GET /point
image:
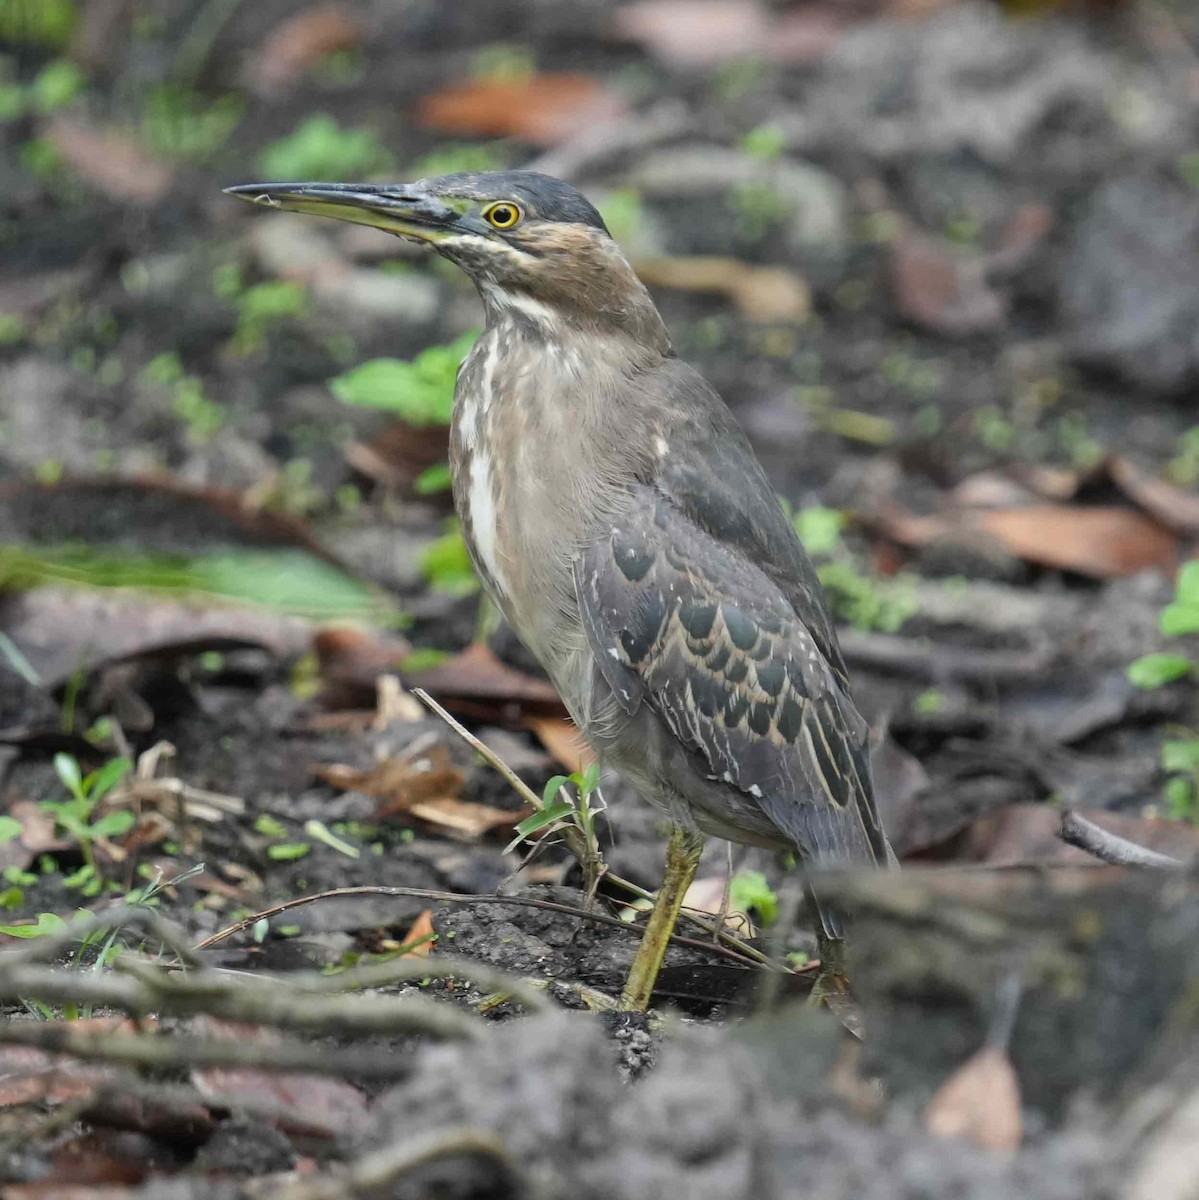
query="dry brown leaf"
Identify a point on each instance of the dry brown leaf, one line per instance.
(704, 33)
(979, 1102)
(110, 160)
(763, 294)
(561, 737)
(422, 927)
(487, 686)
(544, 109)
(299, 43)
(941, 288)
(1102, 543)
(465, 819)
(1173, 506)
(398, 783)
(1099, 542)
(708, 895)
(351, 659)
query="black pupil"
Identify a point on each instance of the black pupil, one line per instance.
(502, 215)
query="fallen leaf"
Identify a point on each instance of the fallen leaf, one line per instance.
(32, 1076)
(351, 659)
(941, 288)
(64, 633)
(980, 1103)
(399, 455)
(543, 109)
(705, 33)
(763, 294)
(1019, 834)
(1173, 506)
(109, 160)
(317, 1105)
(1101, 543)
(399, 783)
(299, 43)
(465, 819)
(710, 895)
(1098, 542)
(481, 685)
(421, 928)
(561, 737)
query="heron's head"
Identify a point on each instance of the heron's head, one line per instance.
(535, 247)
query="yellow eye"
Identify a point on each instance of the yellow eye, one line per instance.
(503, 215)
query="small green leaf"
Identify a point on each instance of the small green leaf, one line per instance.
(542, 818)
(269, 827)
(288, 851)
(750, 889)
(10, 829)
(66, 767)
(321, 833)
(46, 923)
(432, 480)
(1180, 756)
(112, 824)
(1156, 670)
(552, 788)
(100, 782)
(819, 529)
(1177, 619)
(1186, 591)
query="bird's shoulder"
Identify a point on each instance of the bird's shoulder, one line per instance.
(707, 469)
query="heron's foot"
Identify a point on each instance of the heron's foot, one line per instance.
(830, 988)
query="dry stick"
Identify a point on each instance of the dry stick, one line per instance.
(464, 898)
(1110, 847)
(143, 990)
(377, 1173)
(526, 793)
(49, 945)
(157, 1050)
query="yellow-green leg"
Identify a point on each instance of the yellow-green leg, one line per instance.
(682, 859)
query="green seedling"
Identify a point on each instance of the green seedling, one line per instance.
(76, 815)
(750, 891)
(319, 148)
(574, 807)
(446, 565)
(419, 391)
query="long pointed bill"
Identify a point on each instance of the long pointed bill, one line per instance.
(405, 209)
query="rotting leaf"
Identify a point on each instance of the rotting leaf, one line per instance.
(109, 160)
(763, 294)
(561, 737)
(301, 42)
(1101, 543)
(399, 783)
(477, 680)
(543, 109)
(979, 1102)
(464, 818)
(420, 936)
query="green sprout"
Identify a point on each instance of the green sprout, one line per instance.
(419, 391)
(319, 148)
(76, 815)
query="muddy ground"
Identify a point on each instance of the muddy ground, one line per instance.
(945, 268)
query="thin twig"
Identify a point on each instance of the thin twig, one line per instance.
(467, 898)
(377, 1173)
(50, 945)
(574, 840)
(1110, 847)
(141, 990)
(156, 1050)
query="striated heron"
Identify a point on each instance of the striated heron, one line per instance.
(621, 523)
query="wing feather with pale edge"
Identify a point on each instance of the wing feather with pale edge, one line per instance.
(682, 622)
